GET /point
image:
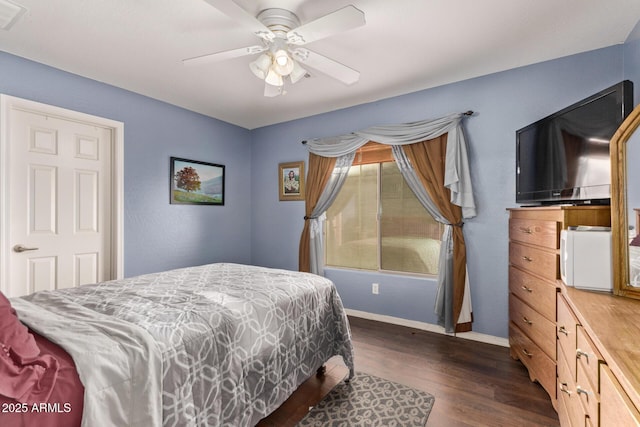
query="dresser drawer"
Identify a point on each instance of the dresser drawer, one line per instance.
(537, 327)
(567, 392)
(567, 325)
(616, 409)
(588, 394)
(534, 291)
(541, 367)
(588, 374)
(535, 232)
(589, 358)
(563, 411)
(537, 261)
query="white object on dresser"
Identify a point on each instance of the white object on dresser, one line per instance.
(585, 259)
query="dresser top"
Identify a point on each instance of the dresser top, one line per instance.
(560, 207)
(567, 215)
(613, 323)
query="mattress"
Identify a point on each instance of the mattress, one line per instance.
(219, 344)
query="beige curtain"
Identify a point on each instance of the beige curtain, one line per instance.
(319, 172)
(428, 160)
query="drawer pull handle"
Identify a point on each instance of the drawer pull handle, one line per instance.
(564, 389)
(583, 391)
(527, 321)
(527, 353)
(526, 230)
(562, 330)
(526, 288)
(526, 258)
(580, 353)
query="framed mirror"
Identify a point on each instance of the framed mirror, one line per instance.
(624, 207)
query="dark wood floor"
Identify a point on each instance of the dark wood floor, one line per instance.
(475, 384)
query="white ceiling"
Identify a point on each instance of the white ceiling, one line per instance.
(405, 46)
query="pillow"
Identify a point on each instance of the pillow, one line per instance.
(635, 241)
(25, 375)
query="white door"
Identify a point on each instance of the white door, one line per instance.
(59, 204)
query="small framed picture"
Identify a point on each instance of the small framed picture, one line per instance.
(196, 183)
(291, 180)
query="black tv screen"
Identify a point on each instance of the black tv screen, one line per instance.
(564, 158)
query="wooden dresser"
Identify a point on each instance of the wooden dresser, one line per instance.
(599, 385)
(534, 270)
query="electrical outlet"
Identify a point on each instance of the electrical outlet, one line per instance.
(375, 288)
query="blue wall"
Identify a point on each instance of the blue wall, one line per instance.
(254, 227)
(503, 102)
(158, 236)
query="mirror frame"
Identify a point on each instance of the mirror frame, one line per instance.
(619, 211)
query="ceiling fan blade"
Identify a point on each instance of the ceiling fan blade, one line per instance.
(341, 20)
(222, 56)
(327, 66)
(242, 17)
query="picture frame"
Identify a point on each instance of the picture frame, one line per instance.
(193, 182)
(291, 181)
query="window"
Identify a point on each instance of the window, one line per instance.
(377, 223)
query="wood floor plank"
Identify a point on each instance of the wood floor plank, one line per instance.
(475, 384)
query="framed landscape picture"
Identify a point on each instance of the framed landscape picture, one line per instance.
(291, 180)
(196, 183)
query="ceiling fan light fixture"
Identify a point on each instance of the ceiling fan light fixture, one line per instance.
(281, 57)
(273, 91)
(260, 67)
(273, 77)
(297, 73)
(282, 62)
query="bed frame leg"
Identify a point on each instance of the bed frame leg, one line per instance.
(321, 370)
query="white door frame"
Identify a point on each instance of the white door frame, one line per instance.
(117, 185)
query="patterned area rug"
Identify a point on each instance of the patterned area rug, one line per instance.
(371, 401)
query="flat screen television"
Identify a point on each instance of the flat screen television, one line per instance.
(564, 158)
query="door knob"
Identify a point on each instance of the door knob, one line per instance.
(20, 248)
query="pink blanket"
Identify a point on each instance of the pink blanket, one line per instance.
(39, 385)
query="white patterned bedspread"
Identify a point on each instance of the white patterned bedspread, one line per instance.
(233, 341)
(634, 266)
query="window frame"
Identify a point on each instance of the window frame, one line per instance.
(376, 153)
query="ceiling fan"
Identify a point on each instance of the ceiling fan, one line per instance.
(281, 52)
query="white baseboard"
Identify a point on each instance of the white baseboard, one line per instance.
(473, 336)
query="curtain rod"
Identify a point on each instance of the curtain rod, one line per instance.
(466, 113)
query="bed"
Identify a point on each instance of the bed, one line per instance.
(634, 262)
(219, 344)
